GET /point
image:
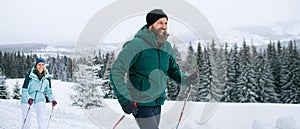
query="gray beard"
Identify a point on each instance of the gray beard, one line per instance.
(160, 38)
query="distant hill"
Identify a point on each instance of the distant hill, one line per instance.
(42, 50)
(23, 47)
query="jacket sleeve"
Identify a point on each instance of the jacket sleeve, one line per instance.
(25, 87)
(174, 72)
(119, 69)
(48, 90)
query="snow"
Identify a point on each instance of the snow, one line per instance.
(218, 115)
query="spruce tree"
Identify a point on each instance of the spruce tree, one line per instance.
(188, 67)
(218, 70)
(290, 70)
(106, 85)
(87, 90)
(266, 81)
(199, 59)
(205, 76)
(172, 87)
(274, 66)
(190, 62)
(3, 87)
(16, 91)
(245, 89)
(233, 73)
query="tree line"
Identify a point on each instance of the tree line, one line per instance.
(226, 74)
(244, 74)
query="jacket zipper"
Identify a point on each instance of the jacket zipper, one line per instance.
(156, 100)
(141, 86)
(158, 58)
(37, 91)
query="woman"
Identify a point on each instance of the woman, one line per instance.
(36, 83)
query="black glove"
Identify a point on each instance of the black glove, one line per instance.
(129, 107)
(192, 79)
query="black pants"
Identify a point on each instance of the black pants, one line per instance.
(148, 117)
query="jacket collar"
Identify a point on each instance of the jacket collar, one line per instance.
(34, 76)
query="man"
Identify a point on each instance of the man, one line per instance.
(139, 73)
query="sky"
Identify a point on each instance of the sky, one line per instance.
(56, 21)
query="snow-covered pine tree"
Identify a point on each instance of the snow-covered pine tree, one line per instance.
(188, 67)
(69, 69)
(296, 65)
(256, 71)
(218, 71)
(290, 71)
(233, 73)
(87, 90)
(266, 81)
(205, 76)
(190, 63)
(1, 61)
(245, 90)
(274, 66)
(172, 87)
(199, 59)
(3, 87)
(105, 82)
(63, 68)
(16, 91)
(53, 67)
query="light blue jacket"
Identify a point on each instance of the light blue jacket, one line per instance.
(35, 88)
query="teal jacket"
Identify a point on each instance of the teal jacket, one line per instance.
(141, 70)
(35, 88)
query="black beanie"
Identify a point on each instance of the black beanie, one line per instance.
(154, 15)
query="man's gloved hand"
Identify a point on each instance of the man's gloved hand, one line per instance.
(54, 103)
(129, 107)
(192, 79)
(30, 101)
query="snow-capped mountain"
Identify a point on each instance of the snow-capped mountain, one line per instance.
(258, 36)
(262, 35)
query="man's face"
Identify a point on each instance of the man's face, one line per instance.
(160, 24)
(160, 29)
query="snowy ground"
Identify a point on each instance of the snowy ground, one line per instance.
(215, 116)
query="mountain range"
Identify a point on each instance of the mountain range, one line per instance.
(258, 36)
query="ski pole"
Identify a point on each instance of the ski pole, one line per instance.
(119, 121)
(50, 117)
(186, 98)
(26, 117)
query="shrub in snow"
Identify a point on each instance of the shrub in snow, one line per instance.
(285, 122)
(258, 125)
